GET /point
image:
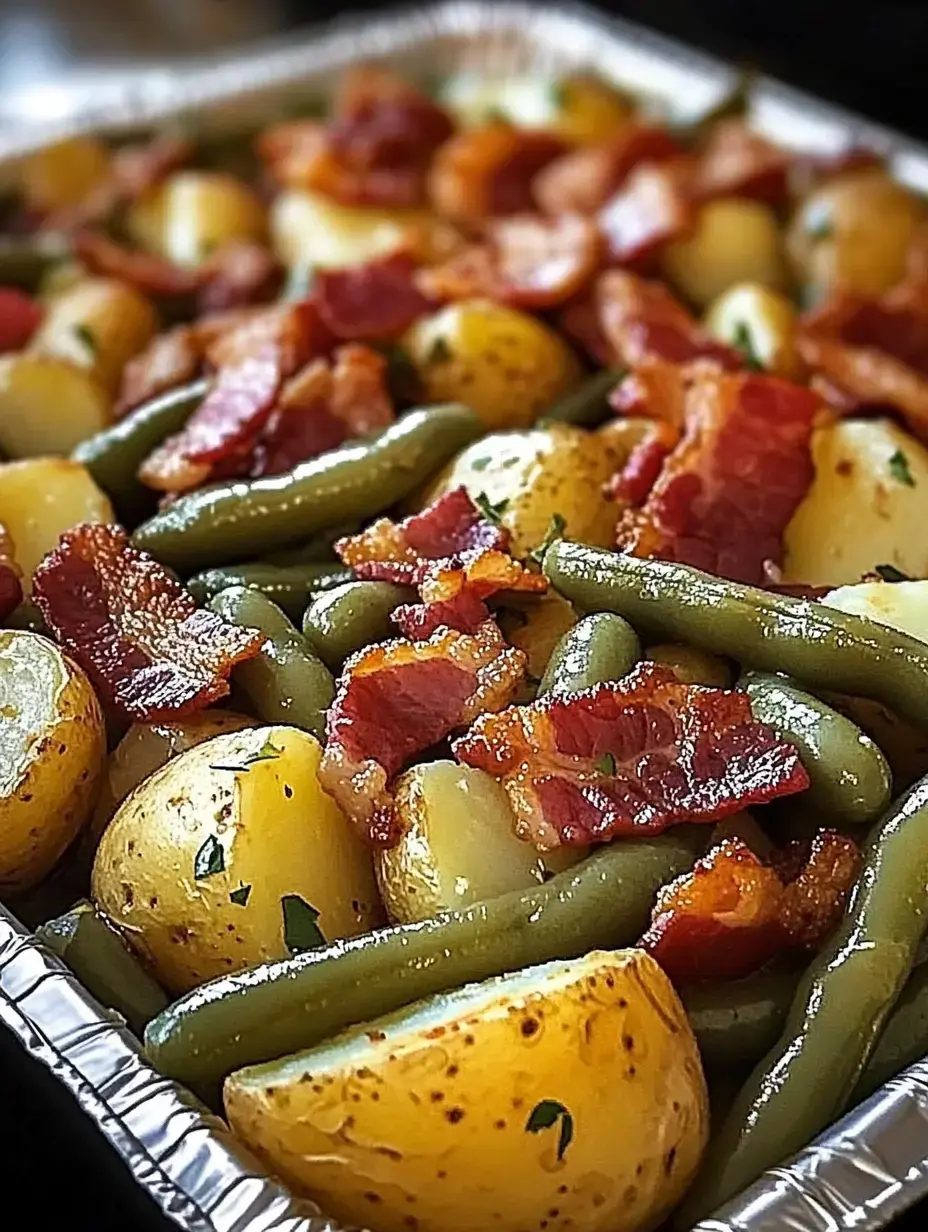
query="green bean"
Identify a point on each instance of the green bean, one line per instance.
(849, 778)
(819, 646)
(114, 455)
(904, 1040)
(289, 586)
(24, 260)
(284, 682)
(281, 1007)
(316, 550)
(104, 965)
(840, 1007)
(598, 648)
(736, 1023)
(587, 405)
(230, 521)
(341, 621)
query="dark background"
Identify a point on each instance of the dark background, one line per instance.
(872, 57)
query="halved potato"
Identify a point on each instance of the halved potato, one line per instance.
(568, 1095)
(902, 605)
(228, 855)
(458, 846)
(41, 498)
(192, 213)
(760, 322)
(63, 174)
(52, 749)
(48, 405)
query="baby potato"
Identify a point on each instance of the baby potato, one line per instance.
(569, 1095)
(52, 749)
(505, 365)
(228, 855)
(854, 232)
(901, 605)
(458, 846)
(48, 405)
(588, 111)
(146, 747)
(98, 325)
(535, 625)
(734, 240)
(548, 478)
(63, 174)
(192, 213)
(760, 322)
(867, 506)
(41, 498)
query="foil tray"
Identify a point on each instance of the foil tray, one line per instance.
(864, 1170)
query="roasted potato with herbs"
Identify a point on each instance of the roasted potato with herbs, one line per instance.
(232, 854)
(458, 845)
(504, 364)
(762, 323)
(64, 174)
(866, 506)
(569, 1095)
(193, 213)
(48, 405)
(53, 747)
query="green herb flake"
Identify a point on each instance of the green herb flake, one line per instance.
(820, 228)
(745, 344)
(606, 764)
(899, 469)
(240, 896)
(889, 573)
(267, 752)
(86, 338)
(555, 531)
(558, 93)
(492, 513)
(301, 931)
(545, 1115)
(480, 464)
(210, 859)
(495, 115)
(439, 352)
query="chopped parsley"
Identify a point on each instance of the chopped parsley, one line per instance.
(480, 464)
(301, 931)
(745, 344)
(267, 752)
(889, 573)
(240, 896)
(495, 115)
(545, 1115)
(439, 352)
(558, 93)
(606, 764)
(210, 859)
(86, 338)
(492, 513)
(899, 469)
(820, 228)
(555, 531)
(402, 377)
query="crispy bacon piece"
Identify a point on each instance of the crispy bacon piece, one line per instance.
(169, 360)
(732, 914)
(395, 700)
(638, 476)
(528, 262)
(141, 166)
(656, 389)
(240, 273)
(20, 316)
(651, 208)
(148, 650)
(735, 161)
(379, 300)
(580, 322)
(582, 180)
(489, 171)
(728, 490)
(464, 612)
(150, 274)
(633, 757)
(11, 588)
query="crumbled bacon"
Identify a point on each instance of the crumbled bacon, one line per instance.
(20, 317)
(464, 611)
(138, 634)
(582, 180)
(580, 322)
(141, 166)
(732, 914)
(489, 171)
(638, 476)
(378, 300)
(11, 588)
(632, 757)
(651, 208)
(169, 360)
(238, 274)
(737, 162)
(148, 273)
(729, 488)
(527, 262)
(395, 700)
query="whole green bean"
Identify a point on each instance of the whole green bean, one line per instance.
(840, 1007)
(904, 1039)
(340, 621)
(282, 1007)
(114, 455)
(103, 963)
(227, 522)
(588, 405)
(736, 1023)
(820, 646)
(289, 586)
(284, 682)
(597, 648)
(849, 778)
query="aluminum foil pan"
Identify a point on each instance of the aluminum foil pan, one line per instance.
(866, 1169)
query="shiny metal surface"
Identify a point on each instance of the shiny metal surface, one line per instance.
(863, 1171)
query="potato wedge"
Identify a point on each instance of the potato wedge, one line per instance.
(41, 498)
(48, 405)
(192, 213)
(569, 1095)
(52, 750)
(867, 506)
(227, 856)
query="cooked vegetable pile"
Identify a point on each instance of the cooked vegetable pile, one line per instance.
(464, 627)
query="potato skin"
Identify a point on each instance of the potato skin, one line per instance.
(408, 1113)
(48, 405)
(507, 366)
(52, 750)
(279, 833)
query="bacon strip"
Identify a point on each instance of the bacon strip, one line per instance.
(395, 700)
(489, 171)
(150, 274)
(634, 757)
(379, 300)
(651, 208)
(169, 360)
(148, 650)
(582, 180)
(737, 162)
(732, 914)
(11, 587)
